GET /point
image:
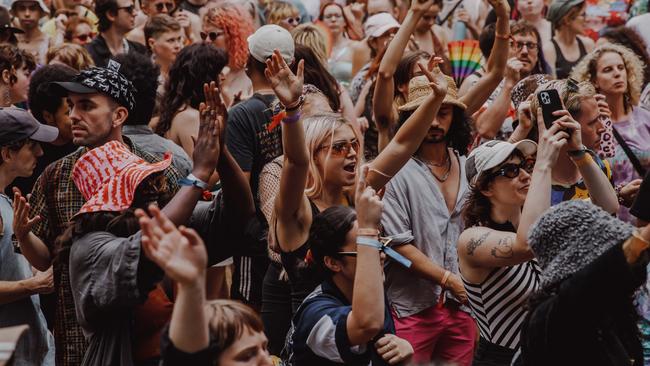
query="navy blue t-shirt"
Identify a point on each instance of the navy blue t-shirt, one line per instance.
(318, 334)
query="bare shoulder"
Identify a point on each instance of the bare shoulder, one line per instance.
(588, 42)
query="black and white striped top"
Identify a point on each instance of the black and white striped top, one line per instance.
(498, 302)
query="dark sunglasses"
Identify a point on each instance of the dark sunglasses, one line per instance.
(85, 37)
(212, 35)
(342, 148)
(293, 21)
(512, 170)
(130, 9)
(164, 6)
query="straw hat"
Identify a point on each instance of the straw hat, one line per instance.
(108, 176)
(419, 89)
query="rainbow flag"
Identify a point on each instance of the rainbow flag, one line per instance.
(465, 57)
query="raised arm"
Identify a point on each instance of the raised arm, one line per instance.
(496, 65)
(490, 121)
(487, 248)
(409, 137)
(367, 316)
(382, 100)
(31, 246)
(182, 255)
(291, 204)
(206, 153)
(600, 189)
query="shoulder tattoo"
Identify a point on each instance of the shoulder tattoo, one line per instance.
(476, 242)
(503, 249)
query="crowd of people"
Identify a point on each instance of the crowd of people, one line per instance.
(312, 182)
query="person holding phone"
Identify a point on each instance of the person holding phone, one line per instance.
(510, 188)
(579, 173)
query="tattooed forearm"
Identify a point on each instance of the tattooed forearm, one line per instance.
(476, 242)
(503, 250)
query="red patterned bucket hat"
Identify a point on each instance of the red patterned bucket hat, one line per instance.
(108, 176)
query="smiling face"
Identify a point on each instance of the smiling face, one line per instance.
(611, 74)
(337, 157)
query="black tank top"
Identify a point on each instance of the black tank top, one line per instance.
(563, 67)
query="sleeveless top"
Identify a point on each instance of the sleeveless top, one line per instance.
(563, 67)
(498, 302)
(303, 277)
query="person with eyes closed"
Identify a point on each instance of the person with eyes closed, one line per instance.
(321, 162)
(496, 264)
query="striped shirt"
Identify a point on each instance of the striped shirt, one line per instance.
(498, 302)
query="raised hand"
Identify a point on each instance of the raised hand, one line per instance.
(603, 107)
(180, 252)
(501, 7)
(572, 126)
(420, 6)
(22, 223)
(437, 79)
(212, 125)
(394, 349)
(286, 85)
(367, 203)
(550, 142)
(513, 69)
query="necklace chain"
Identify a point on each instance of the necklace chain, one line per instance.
(431, 165)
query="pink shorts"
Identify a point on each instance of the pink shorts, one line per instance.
(439, 335)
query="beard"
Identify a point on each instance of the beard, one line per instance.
(435, 136)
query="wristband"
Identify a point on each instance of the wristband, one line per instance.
(577, 153)
(502, 36)
(445, 277)
(192, 180)
(291, 119)
(367, 232)
(374, 243)
(582, 161)
(297, 105)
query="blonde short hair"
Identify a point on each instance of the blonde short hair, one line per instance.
(313, 37)
(571, 95)
(280, 10)
(586, 70)
(70, 54)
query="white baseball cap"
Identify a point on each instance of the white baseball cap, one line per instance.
(40, 3)
(268, 38)
(379, 24)
(493, 153)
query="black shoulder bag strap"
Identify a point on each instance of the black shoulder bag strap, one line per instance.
(442, 21)
(630, 155)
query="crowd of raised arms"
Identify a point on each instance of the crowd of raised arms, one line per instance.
(324, 182)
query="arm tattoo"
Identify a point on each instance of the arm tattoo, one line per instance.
(503, 250)
(476, 242)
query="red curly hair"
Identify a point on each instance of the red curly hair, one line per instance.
(237, 25)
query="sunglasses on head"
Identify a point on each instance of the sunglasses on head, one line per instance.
(512, 171)
(342, 148)
(212, 35)
(164, 6)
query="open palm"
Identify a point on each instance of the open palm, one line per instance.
(179, 252)
(286, 85)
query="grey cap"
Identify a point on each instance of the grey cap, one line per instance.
(268, 38)
(17, 124)
(572, 234)
(492, 153)
(559, 8)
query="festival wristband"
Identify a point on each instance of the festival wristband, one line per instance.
(582, 161)
(367, 232)
(386, 249)
(291, 119)
(193, 181)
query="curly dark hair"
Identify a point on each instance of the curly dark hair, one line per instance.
(101, 8)
(195, 65)
(40, 95)
(143, 73)
(318, 75)
(327, 234)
